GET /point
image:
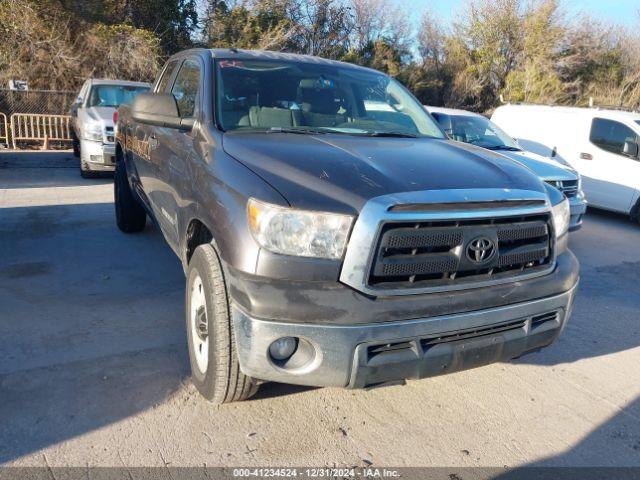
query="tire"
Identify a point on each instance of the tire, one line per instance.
(215, 370)
(85, 172)
(76, 147)
(635, 212)
(130, 215)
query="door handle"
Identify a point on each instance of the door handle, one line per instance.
(586, 156)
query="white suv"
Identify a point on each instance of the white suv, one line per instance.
(93, 127)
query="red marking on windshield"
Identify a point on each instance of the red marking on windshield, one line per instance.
(231, 63)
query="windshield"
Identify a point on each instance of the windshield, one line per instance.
(303, 97)
(477, 131)
(113, 95)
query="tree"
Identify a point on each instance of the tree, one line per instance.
(592, 58)
(535, 79)
(173, 21)
(322, 27)
(41, 47)
(484, 49)
(263, 25)
(375, 20)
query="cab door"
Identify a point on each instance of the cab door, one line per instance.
(610, 176)
(144, 146)
(175, 149)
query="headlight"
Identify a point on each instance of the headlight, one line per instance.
(298, 232)
(579, 182)
(561, 217)
(93, 131)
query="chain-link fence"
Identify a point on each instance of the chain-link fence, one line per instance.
(42, 103)
(47, 102)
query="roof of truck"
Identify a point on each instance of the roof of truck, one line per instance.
(107, 81)
(229, 53)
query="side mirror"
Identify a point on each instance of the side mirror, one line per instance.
(74, 108)
(159, 109)
(630, 149)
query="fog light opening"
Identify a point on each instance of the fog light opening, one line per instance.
(283, 348)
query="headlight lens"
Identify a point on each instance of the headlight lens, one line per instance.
(93, 131)
(299, 232)
(561, 217)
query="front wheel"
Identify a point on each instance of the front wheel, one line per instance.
(212, 348)
(76, 147)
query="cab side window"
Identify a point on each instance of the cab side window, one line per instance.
(185, 88)
(163, 83)
(611, 135)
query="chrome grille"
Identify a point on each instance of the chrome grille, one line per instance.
(434, 254)
(568, 187)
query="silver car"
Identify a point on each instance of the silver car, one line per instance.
(472, 128)
(93, 125)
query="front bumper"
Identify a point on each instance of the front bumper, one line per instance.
(357, 356)
(578, 207)
(98, 156)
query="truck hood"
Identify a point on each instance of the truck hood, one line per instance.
(340, 173)
(546, 168)
(102, 114)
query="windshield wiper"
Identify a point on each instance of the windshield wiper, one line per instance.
(504, 147)
(302, 131)
(390, 134)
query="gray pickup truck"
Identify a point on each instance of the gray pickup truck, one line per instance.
(330, 233)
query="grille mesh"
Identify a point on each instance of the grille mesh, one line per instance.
(522, 257)
(424, 239)
(523, 231)
(425, 254)
(430, 266)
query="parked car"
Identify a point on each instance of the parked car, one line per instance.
(469, 127)
(92, 118)
(326, 243)
(602, 145)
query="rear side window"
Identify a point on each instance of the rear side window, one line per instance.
(185, 88)
(610, 135)
(166, 76)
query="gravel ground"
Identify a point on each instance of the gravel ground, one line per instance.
(94, 368)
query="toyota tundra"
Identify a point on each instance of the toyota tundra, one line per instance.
(331, 234)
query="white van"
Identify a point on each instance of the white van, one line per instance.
(602, 145)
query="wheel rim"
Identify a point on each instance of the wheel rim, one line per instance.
(198, 322)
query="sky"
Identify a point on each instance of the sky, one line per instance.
(626, 12)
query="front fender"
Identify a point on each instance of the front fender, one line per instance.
(221, 187)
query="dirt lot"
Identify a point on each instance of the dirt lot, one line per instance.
(94, 367)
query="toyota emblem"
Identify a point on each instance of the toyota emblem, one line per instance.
(481, 250)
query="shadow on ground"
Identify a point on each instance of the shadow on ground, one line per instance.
(91, 324)
(33, 169)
